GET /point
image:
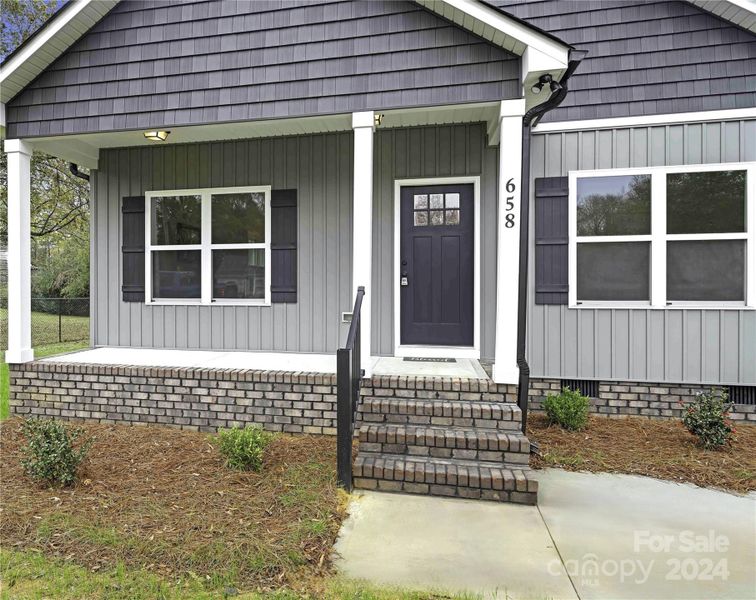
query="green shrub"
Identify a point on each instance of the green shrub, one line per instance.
(50, 453)
(243, 449)
(707, 419)
(569, 409)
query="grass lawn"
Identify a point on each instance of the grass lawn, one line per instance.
(28, 574)
(47, 329)
(41, 352)
(656, 448)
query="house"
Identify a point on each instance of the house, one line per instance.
(562, 191)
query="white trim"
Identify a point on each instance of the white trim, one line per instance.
(415, 351)
(65, 28)
(499, 28)
(19, 252)
(509, 213)
(206, 247)
(641, 121)
(363, 126)
(739, 12)
(506, 108)
(659, 238)
(423, 351)
(658, 256)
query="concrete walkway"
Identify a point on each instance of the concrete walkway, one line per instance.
(592, 536)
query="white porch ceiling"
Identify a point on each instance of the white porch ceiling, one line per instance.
(84, 149)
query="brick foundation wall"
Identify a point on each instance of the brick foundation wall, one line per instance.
(208, 399)
(197, 399)
(653, 400)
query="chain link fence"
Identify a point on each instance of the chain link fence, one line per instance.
(54, 321)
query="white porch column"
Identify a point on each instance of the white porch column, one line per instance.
(508, 240)
(19, 252)
(363, 124)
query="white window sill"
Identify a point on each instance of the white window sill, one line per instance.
(692, 306)
(214, 303)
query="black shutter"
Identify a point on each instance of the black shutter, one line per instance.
(283, 246)
(132, 209)
(551, 237)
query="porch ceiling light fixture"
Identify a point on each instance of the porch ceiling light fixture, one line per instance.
(377, 120)
(156, 136)
(554, 86)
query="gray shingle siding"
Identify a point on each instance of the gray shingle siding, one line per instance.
(151, 64)
(646, 57)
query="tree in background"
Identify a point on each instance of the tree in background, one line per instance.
(59, 200)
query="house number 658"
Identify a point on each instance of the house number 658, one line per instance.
(509, 219)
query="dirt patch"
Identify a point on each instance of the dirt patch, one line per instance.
(657, 448)
(160, 499)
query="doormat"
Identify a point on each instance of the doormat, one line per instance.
(431, 360)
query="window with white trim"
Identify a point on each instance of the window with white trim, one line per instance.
(663, 236)
(208, 246)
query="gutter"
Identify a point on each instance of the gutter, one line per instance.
(74, 168)
(530, 119)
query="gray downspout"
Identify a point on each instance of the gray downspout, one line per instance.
(531, 118)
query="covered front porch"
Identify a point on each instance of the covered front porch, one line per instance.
(347, 175)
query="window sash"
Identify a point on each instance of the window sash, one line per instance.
(206, 247)
(659, 236)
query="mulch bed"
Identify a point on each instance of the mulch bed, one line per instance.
(657, 448)
(162, 500)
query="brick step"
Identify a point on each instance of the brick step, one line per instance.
(445, 477)
(457, 413)
(483, 445)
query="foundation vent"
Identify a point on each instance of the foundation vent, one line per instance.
(587, 387)
(742, 394)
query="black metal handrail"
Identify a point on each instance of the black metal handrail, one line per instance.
(348, 376)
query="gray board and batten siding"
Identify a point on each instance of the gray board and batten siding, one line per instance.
(319, 167)
(646, 57)
(659, 345)
(153, 64)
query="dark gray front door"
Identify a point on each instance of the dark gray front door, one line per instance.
(437, 265)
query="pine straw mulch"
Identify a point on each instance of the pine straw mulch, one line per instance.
(160, 499)
(656, 448)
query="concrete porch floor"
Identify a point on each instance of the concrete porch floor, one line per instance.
(266, 361)
(591, 536)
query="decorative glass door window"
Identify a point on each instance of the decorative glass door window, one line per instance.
(208, 246)
(436, 209)
(663, 236)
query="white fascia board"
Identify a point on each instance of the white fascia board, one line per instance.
(472, 15)
(645, 120)
(56, 37)
(738, 12)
